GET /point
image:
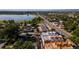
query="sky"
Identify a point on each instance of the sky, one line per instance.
(39, 4)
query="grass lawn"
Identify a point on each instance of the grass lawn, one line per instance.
(1, 22)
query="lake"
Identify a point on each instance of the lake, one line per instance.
(17, 17)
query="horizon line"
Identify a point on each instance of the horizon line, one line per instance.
(39, 9)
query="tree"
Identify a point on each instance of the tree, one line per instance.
(10, 31)
(11, 21)
(36, 21)
(76, 31)
(18, 44)
(28, 45)
(75, 39)
(5, 21)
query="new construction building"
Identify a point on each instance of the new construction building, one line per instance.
(53, 40)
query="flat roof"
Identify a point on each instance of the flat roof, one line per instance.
(51, 36)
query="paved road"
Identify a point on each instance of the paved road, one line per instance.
(61, 31)
(53, 26)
